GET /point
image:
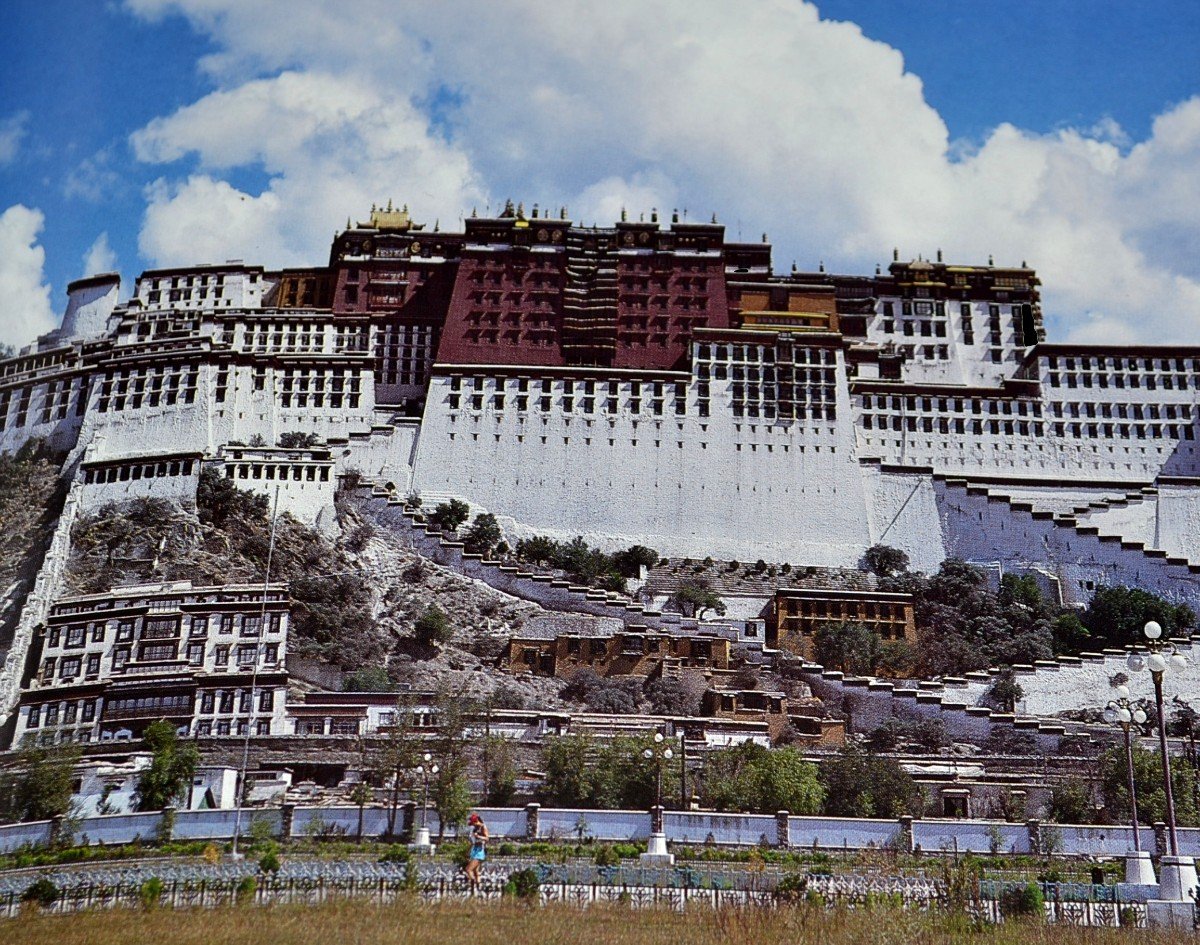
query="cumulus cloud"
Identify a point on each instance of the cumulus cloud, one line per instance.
(25, 310)
(331, 146)
(12, 133)
(93, 179)
(99, 257)
(763, 112)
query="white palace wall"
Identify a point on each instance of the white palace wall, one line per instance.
(733, 487)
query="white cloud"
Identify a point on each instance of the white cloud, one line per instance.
(762, 112)
(331, 146)
(25, 310)
(93, 178)
(99, 257)
(12, 133)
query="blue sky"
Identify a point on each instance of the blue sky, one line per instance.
(112, 122)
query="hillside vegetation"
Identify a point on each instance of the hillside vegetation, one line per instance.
(225, 539)
(361, 601)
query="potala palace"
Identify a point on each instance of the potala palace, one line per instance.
(640, 383)
(645, 383)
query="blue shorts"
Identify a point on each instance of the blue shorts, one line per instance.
(478, 852)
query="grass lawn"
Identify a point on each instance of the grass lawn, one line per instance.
(490, 923)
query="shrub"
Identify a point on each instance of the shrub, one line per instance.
(605, 855)
(885, 561)
(396, 854)
(524, 885)
(792, 888)
(432, 627)
(294, 440)
(448, 516)
(245, 889)
(269, 863)
(151, 892)
(41, 891)
(483, 535)
(1024, 900)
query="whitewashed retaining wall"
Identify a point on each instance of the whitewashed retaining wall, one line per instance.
(691, 828)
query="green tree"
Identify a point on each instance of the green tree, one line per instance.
(538, 550)
(392, 758)
(847, 646)
(294, 440)
(1148, 778)
(581, 773)
(368, 679)
(1005, 693)
(498, 760)
(450, 791)
(752, 778)
(630, 561)
(39, 786)
(570, 777)
(219, 502)
(432, 627)
(884, 561)
(172, 766)
(1071, 803)
(483, 535)
(860, 784)
(362, 795)
(1118, 614)
(693, 598)
(448, 516)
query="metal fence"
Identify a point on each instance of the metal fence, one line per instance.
(576, 884)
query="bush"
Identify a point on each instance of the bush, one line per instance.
(151, 892)
(368, 679)
(294, 440)
(524, 885)
(448, 516)
(885, 561)
(245, 889)
(606, 856)
(1024, 900)
(396, 854)
(41, 891)
(792, 888)
(483, 535)
(432, 627)
(269, 863)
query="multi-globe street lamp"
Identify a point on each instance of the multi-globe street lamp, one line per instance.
(1124, 714)
(421, 840)
(1178, 874)
(656, 850)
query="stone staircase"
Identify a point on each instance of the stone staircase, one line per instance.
(1074, 521)
(386, 508)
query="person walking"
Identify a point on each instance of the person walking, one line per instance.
(478, 851)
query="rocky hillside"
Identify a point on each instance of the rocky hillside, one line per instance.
(357, 598)
(31, 499)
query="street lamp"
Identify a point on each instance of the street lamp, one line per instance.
(421, 841)
(656, 850)
(1121, 712)
(1178, 873)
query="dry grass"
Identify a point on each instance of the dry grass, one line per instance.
(486, 923)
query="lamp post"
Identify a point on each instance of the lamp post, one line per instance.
(1178, 873)
(1138, 867)
(656, 850)
(421, 839)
